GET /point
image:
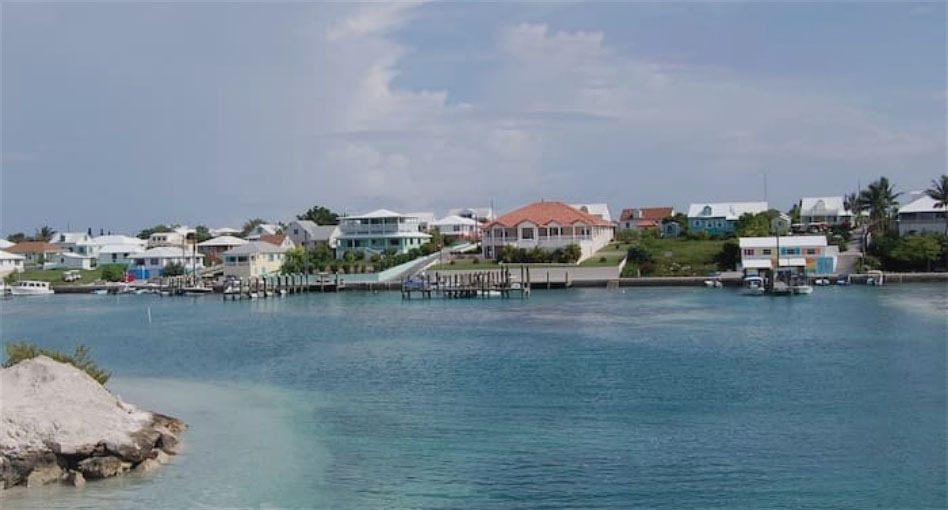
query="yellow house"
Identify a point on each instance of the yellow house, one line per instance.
(256, 258)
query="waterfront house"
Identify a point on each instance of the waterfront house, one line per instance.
(547, 225)
(601, 210)
(425, 219)
(79, 243)
(478, 214)
(457, 228)
(37, 253)
(720, 218)
(256, 258)
(212, 249)
(921, 215)
(824, 211)
(644, 217)
(263, 229)
(378, 231)
(152, 262)
(812, 253)
(281, 240)
(308, 234)
(10, 263)
(159, 239)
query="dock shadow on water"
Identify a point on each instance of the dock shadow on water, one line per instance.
(247, 446)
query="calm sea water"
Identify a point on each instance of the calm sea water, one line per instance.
(660, 398)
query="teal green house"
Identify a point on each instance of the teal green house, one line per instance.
(720, 218)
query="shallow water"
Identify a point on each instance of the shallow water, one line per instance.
(676, 398)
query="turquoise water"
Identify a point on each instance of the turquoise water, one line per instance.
(671, 398)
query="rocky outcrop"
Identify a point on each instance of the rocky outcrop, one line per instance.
(57, 424)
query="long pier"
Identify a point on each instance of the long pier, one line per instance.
(281, 285)
(481, 284)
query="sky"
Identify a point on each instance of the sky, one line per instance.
(119, 116)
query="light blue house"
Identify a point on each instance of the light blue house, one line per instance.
(720, 218)
(378, 231)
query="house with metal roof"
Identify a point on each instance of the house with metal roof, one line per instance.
(457, 228)
(547, 225)
(151, 263)
(213, 248)
(10, 263)
(721, 217)
(824, 211)
(309, 234)
(255, 258)
(378, 231)
(922, 215)
(478, 214)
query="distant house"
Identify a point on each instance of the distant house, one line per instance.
(10, 263)
(478, 214)
(921, 215)
(547, 225)
(115, 249)
(601, 210)
(308, 234)
(671, 229)
(644, 218)
(378, 231)
(263, 229)
(152, 262)
(761, 254)
(71, 260)
(720, 218)
(256, 258)
(212, 249)
(37, 253)
(824, 210)
(4, 244)
(425, 219)
(224, 231)
(457, 228)
(81, 245)
(281, 240)
(159, 239)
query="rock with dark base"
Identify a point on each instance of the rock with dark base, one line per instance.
(57, 424)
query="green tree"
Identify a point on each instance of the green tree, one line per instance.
(45, 233)
(880, 199)
(794, 213)
(729, 255)
(249, 225)
(113, 272)
(319, 215)
(939, 193)
(19, 237)
(157, 229)
(295, 261)
(639, 254)
(572, 253)
(201, 234)
(173, 269)
(855, 206)
(915, 252)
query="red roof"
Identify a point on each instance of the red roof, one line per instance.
(33, 247)
(647, 213)
(543, 213)
(276, 239)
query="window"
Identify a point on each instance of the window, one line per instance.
(296, 231)
(811, 251)
(153, 262)
(749, 252)
(526, 233)
(766, 251)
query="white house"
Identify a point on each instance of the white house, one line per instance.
(458, 228)
(71, 260)
(921, 215)
(308, 234)
(479, 214)
(10, 263)
(224, 231)
(212, 249)
(378, 231)
(643, 218)
(810, 252)
(166, 239)
(425, 219)
(720, 217)
(601, 210)
(4, 244)
(151, 262)
(115, 249)
(79, 251)
(263, 229)
(824, 210)
(547, 225)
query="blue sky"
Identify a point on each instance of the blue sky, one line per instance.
(120, 116)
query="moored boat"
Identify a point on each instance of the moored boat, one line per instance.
(753, 286)
(31, 288)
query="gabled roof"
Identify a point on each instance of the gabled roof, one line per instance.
(601, 210)
(4, 244)
(223, 231)
(478, 212)
(424, 217)
(646, 213)
(454, 220)
(120, 248)
(378, 213)
(34, 247)
(10, 256)
(71, 238)
(822, 206)
(118, 239)
(276, 239)
(71, 255)
(924, 203)
(254, 247)
(223, 241)
(727, 210)
(544, 213)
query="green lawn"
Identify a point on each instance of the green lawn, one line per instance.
(680, 257)
(55, 276)
(608, 256)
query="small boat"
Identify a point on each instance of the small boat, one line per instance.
(822, 282)
(753, 286)
(801, 289)
(716, 284)
(31, 288)
(876, 278)
(100, 292)
(843, 280)
(781, 289)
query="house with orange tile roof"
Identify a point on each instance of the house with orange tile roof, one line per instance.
(281, 240)
(644, 217)
(36, 253)
(547, 225)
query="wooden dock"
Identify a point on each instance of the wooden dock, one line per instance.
(281, 285)
(482, 284)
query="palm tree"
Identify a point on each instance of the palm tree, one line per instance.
(939, 193)
(852, 204)
(44, 234)
(879, 198)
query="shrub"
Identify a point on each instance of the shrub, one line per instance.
(113, 272)
(19, 351)
(729, 255)
(476, 261)
(638, 254)
(173, 269)
(602, 259)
